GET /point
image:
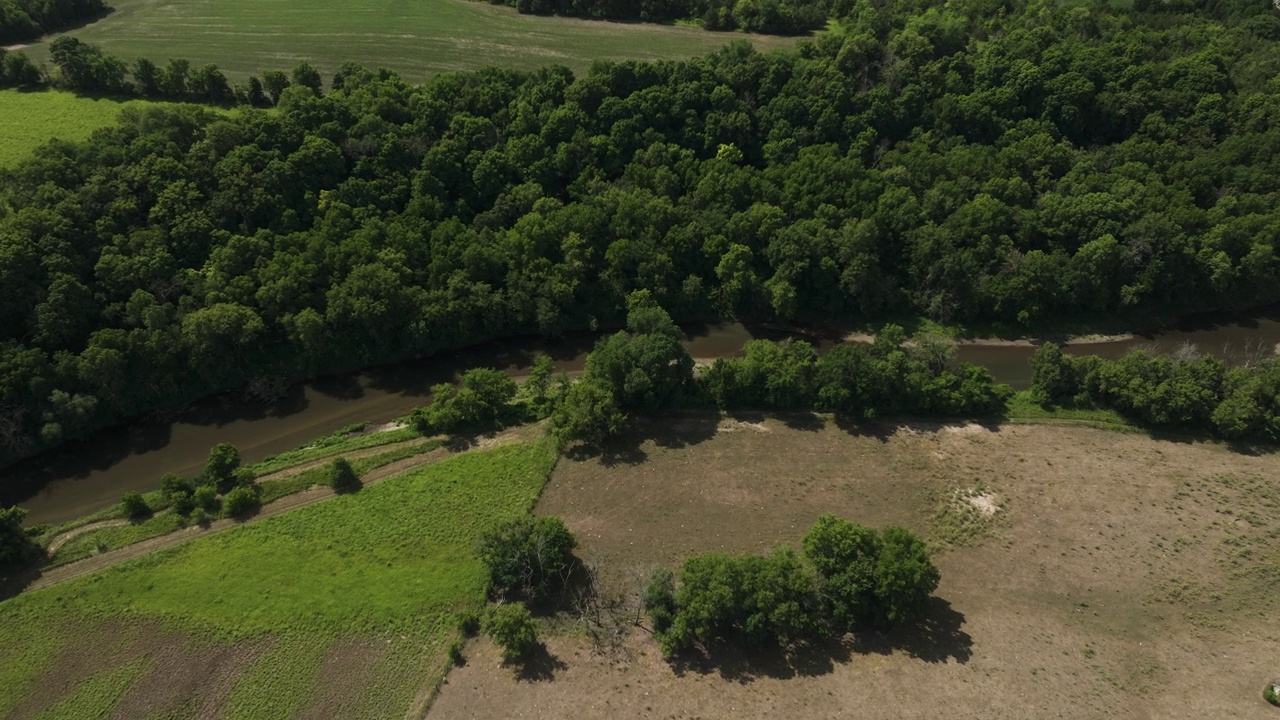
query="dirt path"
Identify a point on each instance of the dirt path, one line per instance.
(112, 558)
(60, 540)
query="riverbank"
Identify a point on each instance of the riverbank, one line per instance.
(82, 478)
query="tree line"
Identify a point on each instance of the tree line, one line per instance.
(1016, 164)
(776, 17)
(1186, 391)
(85, 69)
(24, 20)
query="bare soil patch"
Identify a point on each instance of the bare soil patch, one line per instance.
(345, 675)
(1113, 581)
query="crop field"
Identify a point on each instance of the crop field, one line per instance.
(339, 609)
(416, 39)
(30, 119)
(1086, 573)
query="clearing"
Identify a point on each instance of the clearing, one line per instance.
(342, 608)
(30, 119)
(1085, 574)
(417, 39)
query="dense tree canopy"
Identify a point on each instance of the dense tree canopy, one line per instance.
(1017, 163)
(22, 20)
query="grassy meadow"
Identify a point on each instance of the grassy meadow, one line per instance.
(339, 609)
(30, 119)
(417, 40)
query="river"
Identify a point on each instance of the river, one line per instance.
(85, 477)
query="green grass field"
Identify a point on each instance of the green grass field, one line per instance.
(29, 120)
(386, 569)
(416, 39)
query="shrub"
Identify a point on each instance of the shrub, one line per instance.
(528, 557)
(512, 627)
(206, 498)
(1269, 694)
(241, 501)
(200, 517)
(16, 547)
(469, 623)
(342, 477)
(455, 651)
(660, 599)
(220, 468)
(135, 507)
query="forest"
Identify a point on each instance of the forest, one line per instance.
(993, 164)
(22, 20)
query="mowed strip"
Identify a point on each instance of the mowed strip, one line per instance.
(374, 577)
(417, 40)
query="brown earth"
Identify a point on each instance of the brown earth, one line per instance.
(1119, 576)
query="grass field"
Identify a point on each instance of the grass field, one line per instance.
(29, 120)
(416, 39)
(1085, 573)
(338, 609)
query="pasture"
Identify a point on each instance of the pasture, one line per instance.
(416, 39)
(1085, 573)
(339, 609)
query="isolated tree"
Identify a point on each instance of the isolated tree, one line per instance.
(135, 506)
(528, 558)
(513, 629)
(342, 477)
(220, 468)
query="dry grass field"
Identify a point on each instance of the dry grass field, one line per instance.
(1085, 574)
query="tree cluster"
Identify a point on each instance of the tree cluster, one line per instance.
(528, 558)
(16, 546)
(25, 20)
(858, 381)
(1186, 391)
(224, 488)
(1013, 164)
(848, 577)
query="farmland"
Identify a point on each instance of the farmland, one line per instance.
(417, 40)
(1131, 576)
(338, 609)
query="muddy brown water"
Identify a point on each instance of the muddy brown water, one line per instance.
(85, 477)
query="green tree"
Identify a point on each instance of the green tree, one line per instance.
(221, 465)
(304, 75)
(241, 500)
(342, 477)
(274, 83)
(905, 576)
(135, 506)
(529, 558)
(513, 629)
(587, 412)
(845, 555)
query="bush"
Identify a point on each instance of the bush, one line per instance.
(200, 517)
(660, 599)
(206, 498)
(342, 477)
(241, 501)
(469, 623)
(220, 468)
(455, 651)
(135, 507)
(481, 401)
(512, 627)
(528, 558)
(1269, 694)
(587, 412)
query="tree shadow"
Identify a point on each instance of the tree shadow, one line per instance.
(539, 665)
(935, 638)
